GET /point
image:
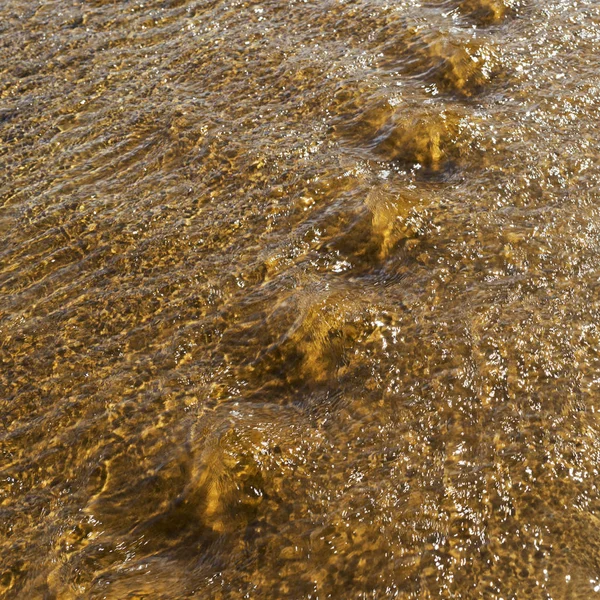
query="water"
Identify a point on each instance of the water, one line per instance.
(299, 299)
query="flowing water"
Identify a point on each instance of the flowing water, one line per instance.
(299, 299)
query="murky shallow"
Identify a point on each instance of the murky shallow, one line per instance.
(300, 299)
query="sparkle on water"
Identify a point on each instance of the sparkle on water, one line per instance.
(299, 299)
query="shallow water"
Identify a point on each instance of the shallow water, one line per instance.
(299, 299)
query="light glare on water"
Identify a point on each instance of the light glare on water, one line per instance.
(299, 299)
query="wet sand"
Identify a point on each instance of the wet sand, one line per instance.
(299, 299)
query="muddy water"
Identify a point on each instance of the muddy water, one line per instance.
(299, 299)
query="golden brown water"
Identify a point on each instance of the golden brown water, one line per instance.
(300, 299)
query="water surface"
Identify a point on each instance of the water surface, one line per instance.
(299, 299)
